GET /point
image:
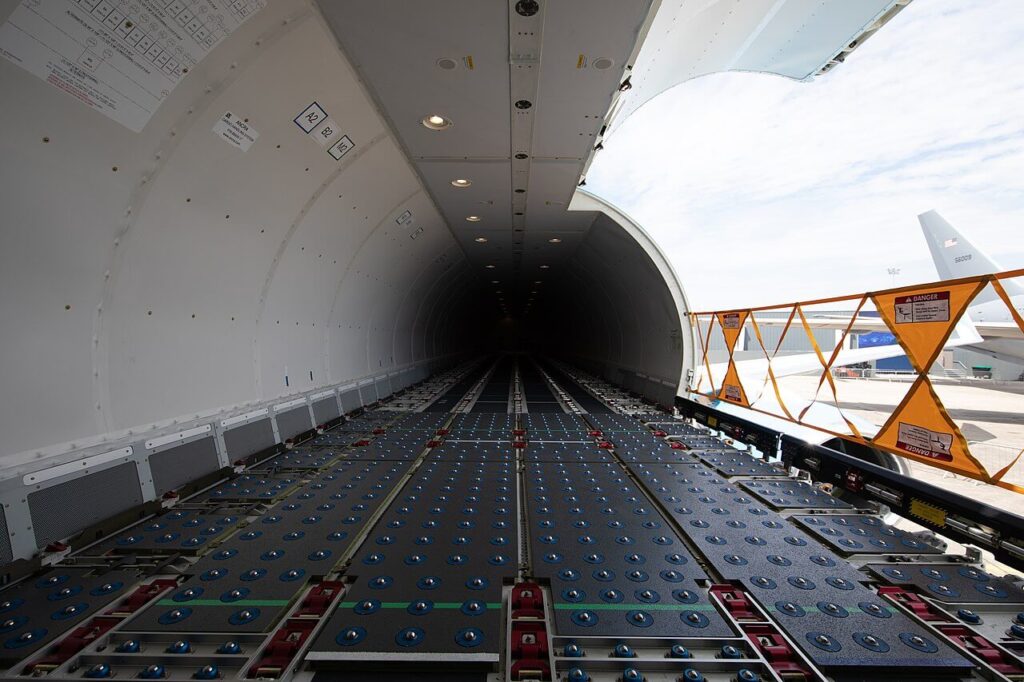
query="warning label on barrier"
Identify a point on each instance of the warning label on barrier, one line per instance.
(930, 307)
(925, 442)
(731, 321)
(732, 393)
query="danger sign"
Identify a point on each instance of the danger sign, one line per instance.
(932, 307)
(731, 321)
(733, 393)
(925, 442)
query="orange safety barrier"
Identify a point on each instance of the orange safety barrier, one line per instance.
(921, 318)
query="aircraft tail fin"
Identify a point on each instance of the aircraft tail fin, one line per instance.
(955, 256)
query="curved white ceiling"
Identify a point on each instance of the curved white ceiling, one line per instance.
(148, 278)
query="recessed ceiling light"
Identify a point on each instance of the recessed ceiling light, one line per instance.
(489, 266)
(461, 182)
(537, 281)
(544, 267)
(436, 122)
(480, 240)
(495, 281)
(555, 240)
(473, 218)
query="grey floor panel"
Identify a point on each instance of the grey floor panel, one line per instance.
(951, 583)
(441, 551)
(863, 534)
(34, 613)
(614, 565)
(789, 494)
(818, 597)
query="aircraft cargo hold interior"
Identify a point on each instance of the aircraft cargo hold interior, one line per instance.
(319, 362)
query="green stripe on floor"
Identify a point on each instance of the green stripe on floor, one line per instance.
(634, 607)
(405, 605)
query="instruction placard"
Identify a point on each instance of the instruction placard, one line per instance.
(235, 131)
(731, 321)
(931, 307)
(122, 59)
(925, 442)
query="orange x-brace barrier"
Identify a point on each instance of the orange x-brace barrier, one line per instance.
(921, 318)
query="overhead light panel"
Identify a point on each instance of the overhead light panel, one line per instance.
(461, 182)
(473, 218)
(555, 240)
(480, 240)
(489, 266)
(436, 122)
(544, 267)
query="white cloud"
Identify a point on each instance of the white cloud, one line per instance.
(765, 190)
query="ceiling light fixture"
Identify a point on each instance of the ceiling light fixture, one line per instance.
(495, 281)
(544, 267)
(481, 240)
(461, 182)
(436, 122)
(489, 266)
(473, 218)
(555, 240)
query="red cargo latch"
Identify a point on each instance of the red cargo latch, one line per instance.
(596, 433)
(676, 445)
(379, 431)
(282, 648)
(141, 596)
(433, 443)
(80, 637)
(605, 445)
(527, 601)
(441, 432)
(736, 602)
(520, 444)
(983, 649)
(921, 608)
(659, 433)
(518, 432)
(361, 443)
(528, 639)
(319, 599)
(777, 652)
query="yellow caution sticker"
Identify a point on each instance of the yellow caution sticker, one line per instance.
(928, 512)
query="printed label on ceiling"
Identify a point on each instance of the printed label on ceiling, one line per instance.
(925, 442)
(931, 307)
(327, 133)
(310, 118)
(341, 148)
(235, 131)
(121, 60)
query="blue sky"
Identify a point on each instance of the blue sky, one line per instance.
(764, 190)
